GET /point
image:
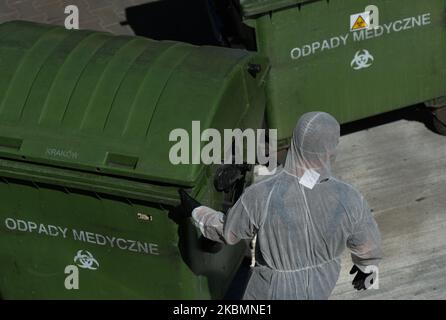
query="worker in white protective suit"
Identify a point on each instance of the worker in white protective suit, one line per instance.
(303, 217)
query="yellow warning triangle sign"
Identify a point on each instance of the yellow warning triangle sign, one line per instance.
(359, 24)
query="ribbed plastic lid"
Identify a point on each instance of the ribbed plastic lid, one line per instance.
(253, 7)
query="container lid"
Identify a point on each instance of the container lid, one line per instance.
(253, 7)
(102, 103)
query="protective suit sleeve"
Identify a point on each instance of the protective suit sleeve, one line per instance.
(229, 228)
(239, 223)
(210, 222)
(365, 240)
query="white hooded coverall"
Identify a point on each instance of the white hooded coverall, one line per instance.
(301, 232)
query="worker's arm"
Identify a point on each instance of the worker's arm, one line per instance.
(364, 241)
(209, 221)
(229, 228)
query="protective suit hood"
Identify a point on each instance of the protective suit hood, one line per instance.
(313, 145)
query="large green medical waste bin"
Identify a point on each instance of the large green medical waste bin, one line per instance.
(85, 178)
(321, 60)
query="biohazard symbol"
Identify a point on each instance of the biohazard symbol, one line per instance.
(85, 260)
(362, 60)
(359, 24)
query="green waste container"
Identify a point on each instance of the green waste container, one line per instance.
(86, 182)
(319, 62)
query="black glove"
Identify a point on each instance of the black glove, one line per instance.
(188, 203)
(360, 278)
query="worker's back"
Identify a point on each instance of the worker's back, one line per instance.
(303, 217)
(301, 233)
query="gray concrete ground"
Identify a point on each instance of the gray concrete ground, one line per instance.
(400, 168)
